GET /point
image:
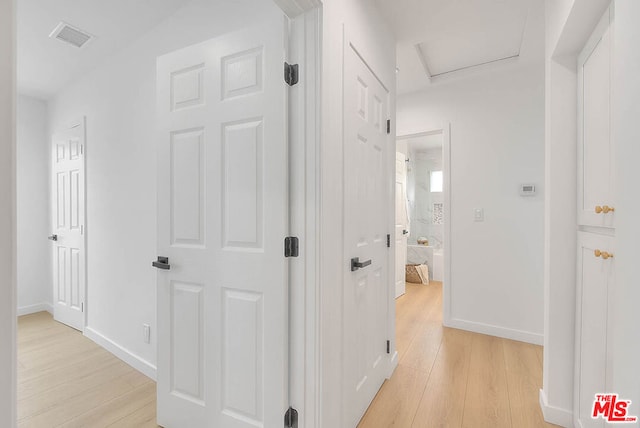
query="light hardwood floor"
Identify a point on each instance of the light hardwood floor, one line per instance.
(66, 380)
(453, 378)
(445, 377)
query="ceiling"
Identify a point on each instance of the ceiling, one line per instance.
(46, 65)
(434, 36)
(440, 39)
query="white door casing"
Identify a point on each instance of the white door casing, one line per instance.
(402, 226)
(222, 219)
(366, 210)
(68, 225)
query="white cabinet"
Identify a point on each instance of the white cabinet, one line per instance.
(596, 220)
(596, 206)
(595, 278)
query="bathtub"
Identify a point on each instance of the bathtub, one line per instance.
(431, 256)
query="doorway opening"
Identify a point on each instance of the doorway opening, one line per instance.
(423, 222)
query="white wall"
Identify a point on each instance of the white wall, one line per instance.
(367, 28)
(626, 318)
(497, 143)
(118, 100)
(7, 216)
(32, 169)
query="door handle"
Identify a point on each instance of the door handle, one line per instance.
(162, 263)
(53, 238)
(404, 232)
(357, 264)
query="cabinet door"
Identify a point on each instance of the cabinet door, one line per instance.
(595, 280)
(595, 142)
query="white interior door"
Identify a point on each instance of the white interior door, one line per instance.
(402, 220)
(366, 151)
(68, 225)
(222, 219)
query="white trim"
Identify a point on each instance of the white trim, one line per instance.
(121, 352)
(494, 330)
(554, 415)
(304, 137)
(32, 309)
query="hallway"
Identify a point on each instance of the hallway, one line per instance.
(453, 378)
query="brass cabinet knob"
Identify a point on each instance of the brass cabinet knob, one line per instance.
(606, 255)
(598, 209)
(606, 209)
(597, 253)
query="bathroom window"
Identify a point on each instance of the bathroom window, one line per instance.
(436, 181)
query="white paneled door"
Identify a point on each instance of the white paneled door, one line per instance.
(68, 224)
(366, 218)
(596, 204)
(222, 220)
(402, 222)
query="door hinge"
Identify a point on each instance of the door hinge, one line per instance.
(388, 240)
(291, 245)
(388, 126)
(291, 73)
(291, 418)
(388, 346)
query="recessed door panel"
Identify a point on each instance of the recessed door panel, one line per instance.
(242, 73)
(187, 87)
(187, 187)
(243, 195)
(243, 358)
(187, 347)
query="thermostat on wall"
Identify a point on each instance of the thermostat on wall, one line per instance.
(527, 189)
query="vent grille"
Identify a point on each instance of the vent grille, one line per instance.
(72, 35)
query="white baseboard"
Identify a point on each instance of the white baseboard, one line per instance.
(507, 333)
(32, 309)
(124, 354)
(555, 415)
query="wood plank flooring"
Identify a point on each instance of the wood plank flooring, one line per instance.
(66, 380)
(445, 377)
(453, 378)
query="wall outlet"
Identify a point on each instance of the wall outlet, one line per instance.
(478, 214)
(146, 333)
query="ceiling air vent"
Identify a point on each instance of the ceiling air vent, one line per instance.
(71, 35)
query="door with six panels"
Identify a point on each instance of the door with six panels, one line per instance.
(222, 219)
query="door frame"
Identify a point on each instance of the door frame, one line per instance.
(78, 122)
(305, 47)
(447, 285)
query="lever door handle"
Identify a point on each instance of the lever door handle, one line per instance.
(357, 264)
(162, 263)
(53, 238)
(404, 232)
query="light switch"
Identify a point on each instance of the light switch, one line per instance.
(478, 214)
